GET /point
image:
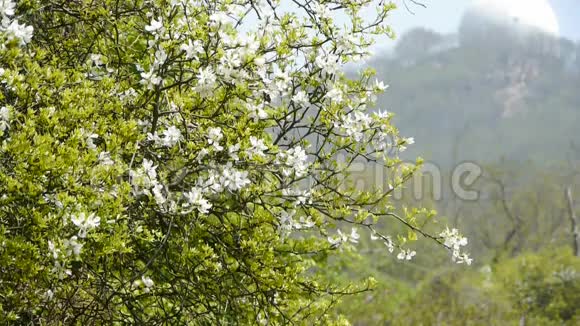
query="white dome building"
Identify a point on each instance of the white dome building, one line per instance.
(518, 14)
(532, 23)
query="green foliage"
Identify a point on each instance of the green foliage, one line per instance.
(159, 165)
(534, 288)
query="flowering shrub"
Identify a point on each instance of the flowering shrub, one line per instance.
(187, 161)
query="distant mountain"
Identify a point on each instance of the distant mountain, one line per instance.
(484, 94)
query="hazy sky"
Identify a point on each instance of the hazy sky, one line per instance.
(445, 15)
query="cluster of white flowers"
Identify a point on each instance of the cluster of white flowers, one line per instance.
(4, 118)
(257, 112)
(195, 198)
(150, 79)
(404, 142)
(257, 147)
(13, 30)
(297, 196)
(144, 182)
(321, 10)
(229, 66)
(294, 160)
(387, 241)
(96, 59)
(233, 151)
(226, 178)
(144, 176)
(90, 139)
(156, 26)
(145, 283)
(59, 267)
(301, 99)
(287, 222)
(406, 254)
(85, 222)
(355, 125)
(192, 49)
(170, 137)
(105, 159)
(277, 93)
(328, 63)
(72, 247)
(453, 240)
(382, 141)
(7, 8)
(341, 238)
(206, 81)
(334, 94)
(214, 136)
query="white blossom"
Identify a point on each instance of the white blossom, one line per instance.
(301, 99)
(286, 222)
(4, 118)
(194, 197)
(341, 238)
(150, 79)
(73, 247)
(233, 151)
(171, 136)
(305, 222)
(335, 95)
(20, 32)
(147, 281)
(354, 236)
(90, 141)
(144, 177)
(379, 85)
(338, 239)
(327, 63)
(96, 59)
(219, 17)
(160, 57)
(321, 10)
(206, 81)
(158, 194)
(7, 8)
(202, 154)
(406, 254)
(355, 125)
(390, 244)
(128, 95)
(192, 49)
(85, 222)
(257, 112)
(105, 158)
(53, 250)
(214, 135)
(155, 26)
(60, 270)
(294, 161)
(454, 241)
(49, 295)
(227, 179)
(257, 147)
(300, 197)
(233, 179)
(404, 142)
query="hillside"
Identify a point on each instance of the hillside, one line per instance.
(484, 96)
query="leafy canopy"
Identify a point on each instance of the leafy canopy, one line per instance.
(187, 161)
